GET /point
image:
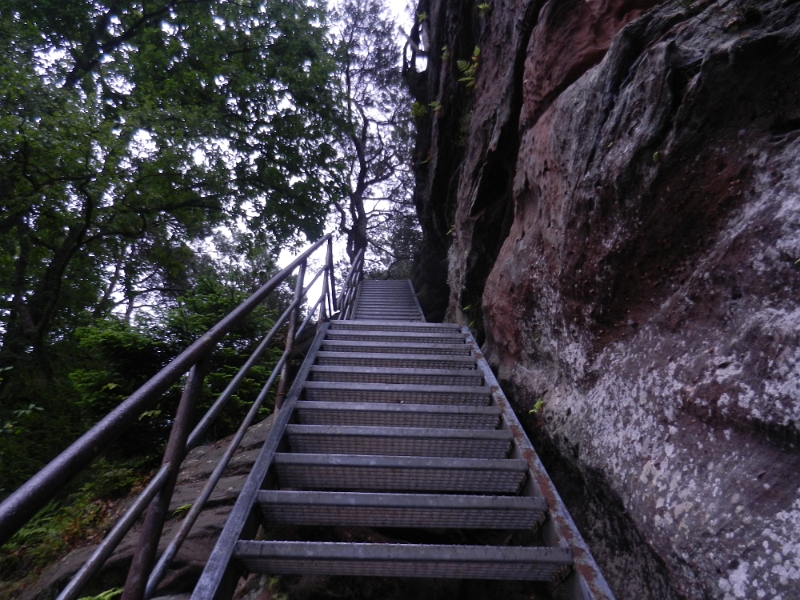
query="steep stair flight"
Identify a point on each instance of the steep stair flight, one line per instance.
(393, 422)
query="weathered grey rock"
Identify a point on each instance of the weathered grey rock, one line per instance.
(646, 282)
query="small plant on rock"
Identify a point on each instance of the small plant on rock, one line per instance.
(418, 110)
(469, 67)
(538, 407)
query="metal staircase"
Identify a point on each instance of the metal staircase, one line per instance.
(397, 423)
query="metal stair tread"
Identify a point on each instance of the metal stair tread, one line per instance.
(396, 348)
(405, 462)
(398, 415)
(420, 432)
(382, 326)
(411, 326)
(400, 408)
(399, 441)
(356, 318)
(393, 500)
(380, 509)
(405, 560)
(353, 472)
(351, 334)
(396, 392)
(384, 313)
(462, 361)
(480, 390)
(411, 551)
(356, 373)
(378, 396)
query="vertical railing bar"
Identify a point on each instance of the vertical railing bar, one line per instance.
(355, 275)
(323, 311)
(212, 413)
(188, 522)
(350, 286)
(146, 549)
(298, 293)
(332, 276)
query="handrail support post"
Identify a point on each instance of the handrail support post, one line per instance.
(283, 385)
(144, 558)
(329, 260)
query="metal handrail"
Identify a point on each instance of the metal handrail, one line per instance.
(350, 286)
(23, 504)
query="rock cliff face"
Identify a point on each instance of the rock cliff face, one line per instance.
(617, 203)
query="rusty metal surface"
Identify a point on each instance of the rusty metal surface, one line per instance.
(559, 530)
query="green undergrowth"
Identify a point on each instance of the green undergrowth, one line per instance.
(82, 516)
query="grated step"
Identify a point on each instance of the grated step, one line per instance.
(392, 360)
(357, 509)
(397, 375)
(412, 326)
(388, 315)
(378, 304)
(380, 300)
(395, 348)
(397, 392)
(405, 560)
(348, 472)
(385, 283)
(370, 414)
(399, 441)
(386, 318)
(392, 336)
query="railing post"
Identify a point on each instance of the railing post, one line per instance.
(329, 260)
(283, 385)
(144, 559)
(323, 308)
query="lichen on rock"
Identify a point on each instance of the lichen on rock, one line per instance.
(627, 213)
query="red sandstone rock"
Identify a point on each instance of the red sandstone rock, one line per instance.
(630, 222)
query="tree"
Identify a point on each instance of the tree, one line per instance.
(377, 126)
(130, 130)
(131, 133)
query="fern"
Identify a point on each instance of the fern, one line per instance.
(469, 67)
(107, 595)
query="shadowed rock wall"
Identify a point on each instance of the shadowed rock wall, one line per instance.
(624, 203)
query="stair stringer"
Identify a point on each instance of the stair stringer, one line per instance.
(221, 574)
(586, 582)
